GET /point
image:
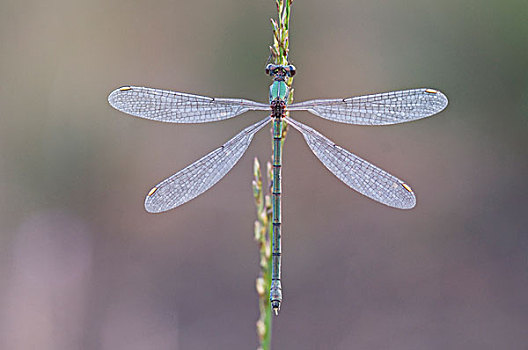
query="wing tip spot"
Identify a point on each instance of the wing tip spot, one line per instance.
(125, 88)
(431, 91)
(152, 191)
(407, 187)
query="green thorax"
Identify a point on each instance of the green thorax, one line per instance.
(278, 90)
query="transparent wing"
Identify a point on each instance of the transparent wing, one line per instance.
(178, 107)
(201, 175)
(379, 109)
(357, 173)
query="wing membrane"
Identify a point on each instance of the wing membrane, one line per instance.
(378, 109)
(201, 175)
(357, 173)
(178, 107)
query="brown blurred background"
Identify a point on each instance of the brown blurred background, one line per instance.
(83, 266)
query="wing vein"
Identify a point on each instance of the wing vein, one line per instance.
(378, 109)
(201, 175)
(178, 107)
(356, 172)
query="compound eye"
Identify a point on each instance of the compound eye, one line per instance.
(269, 67)
(291, 70)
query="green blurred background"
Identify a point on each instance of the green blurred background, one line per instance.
(83, 266)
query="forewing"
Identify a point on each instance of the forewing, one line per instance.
(357, 173)
(201, 175)
(378, 109)
(178, 107)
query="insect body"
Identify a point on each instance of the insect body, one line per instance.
(364, 177)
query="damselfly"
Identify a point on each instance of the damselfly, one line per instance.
(369, 180)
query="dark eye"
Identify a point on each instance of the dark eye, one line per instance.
(268, 68)
(291, 70)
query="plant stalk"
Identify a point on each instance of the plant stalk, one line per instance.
(263, 225)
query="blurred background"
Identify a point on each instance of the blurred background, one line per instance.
(83, 266)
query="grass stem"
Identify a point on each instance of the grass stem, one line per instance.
(263, 225)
